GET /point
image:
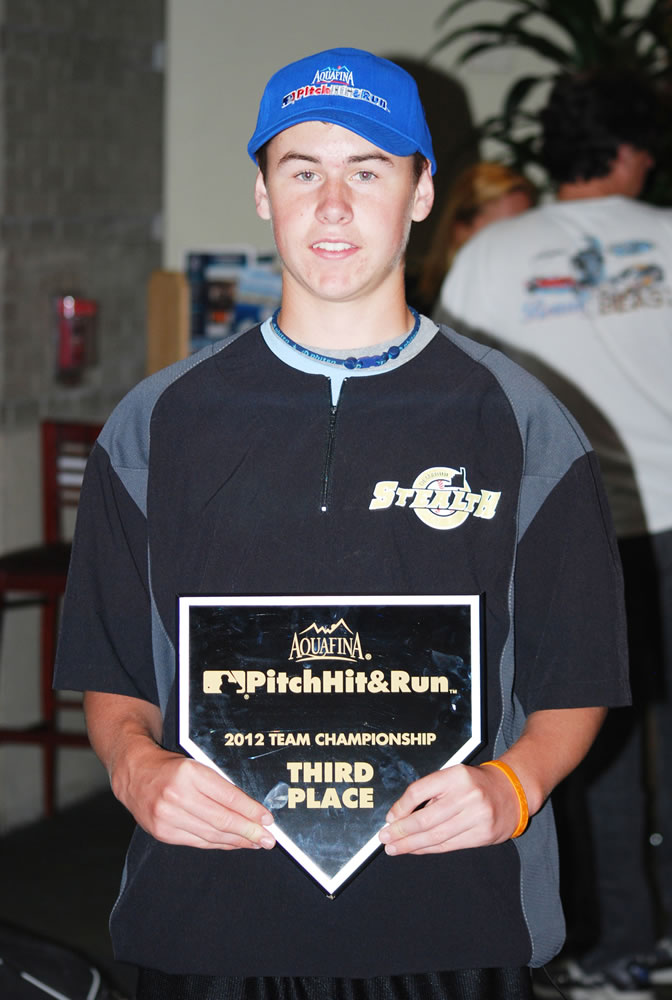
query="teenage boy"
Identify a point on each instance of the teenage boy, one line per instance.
(289, 460)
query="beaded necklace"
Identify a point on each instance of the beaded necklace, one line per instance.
(373, 361)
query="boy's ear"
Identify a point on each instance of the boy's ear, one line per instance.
(424, 194)
(261, 199)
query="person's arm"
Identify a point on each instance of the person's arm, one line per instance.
(476, 806)
(175, 799)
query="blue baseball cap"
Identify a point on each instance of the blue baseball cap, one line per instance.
(366, 94)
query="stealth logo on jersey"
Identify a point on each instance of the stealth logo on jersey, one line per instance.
(441, 497)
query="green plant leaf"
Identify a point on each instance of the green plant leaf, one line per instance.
(538, 44)
(480, 28)
(527, 8)
(457, 6)
(518, 92)
(593, 34)
(577, 17)
(501, 36)
(618, 9)
(477, 49)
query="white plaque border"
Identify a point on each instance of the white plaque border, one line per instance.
(331, 885)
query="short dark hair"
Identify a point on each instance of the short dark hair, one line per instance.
(419, 162)
(589, 115)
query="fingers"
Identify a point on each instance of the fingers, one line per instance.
(190, 804)
(463, 807)
(432, 785)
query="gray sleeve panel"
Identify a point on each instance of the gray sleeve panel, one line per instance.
(551, 438)
(552, 441)
(540, 887)
(125, 437)
(163, 653)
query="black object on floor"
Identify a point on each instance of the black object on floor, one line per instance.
(33, 967)
(60, 878)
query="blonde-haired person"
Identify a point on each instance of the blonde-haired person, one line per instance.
(483, 193)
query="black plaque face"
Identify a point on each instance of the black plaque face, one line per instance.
(326, 711)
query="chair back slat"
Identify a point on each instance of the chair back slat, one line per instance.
(65, 451)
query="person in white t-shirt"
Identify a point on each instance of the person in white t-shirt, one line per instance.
(481, 194)
(579, 291)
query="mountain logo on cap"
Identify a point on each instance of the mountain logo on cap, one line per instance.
(330, 75)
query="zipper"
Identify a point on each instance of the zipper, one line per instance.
(326, 472)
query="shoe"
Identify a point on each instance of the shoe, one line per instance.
(659, 963)
(627, 979)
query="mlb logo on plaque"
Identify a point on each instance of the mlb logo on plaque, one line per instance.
(326, 708)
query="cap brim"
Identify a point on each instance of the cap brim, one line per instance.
(382, 136)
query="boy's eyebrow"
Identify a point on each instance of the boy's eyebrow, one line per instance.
(363, 157)
(294, 155)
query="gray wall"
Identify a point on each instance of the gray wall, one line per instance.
(81, 161)
(81, 136)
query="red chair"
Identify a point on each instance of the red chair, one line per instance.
(38, 574)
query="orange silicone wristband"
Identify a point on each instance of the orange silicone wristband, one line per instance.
(519, 790)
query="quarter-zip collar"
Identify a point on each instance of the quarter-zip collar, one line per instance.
(335, 373)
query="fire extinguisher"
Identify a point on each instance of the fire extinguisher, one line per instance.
(75, 336)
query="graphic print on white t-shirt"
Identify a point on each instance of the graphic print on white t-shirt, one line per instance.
(596, 279)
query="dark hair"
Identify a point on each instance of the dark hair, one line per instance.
(261, 154)
(589, 115)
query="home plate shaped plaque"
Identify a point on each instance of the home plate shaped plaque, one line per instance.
(326, 708)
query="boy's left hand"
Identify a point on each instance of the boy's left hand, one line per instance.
(465, 807)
